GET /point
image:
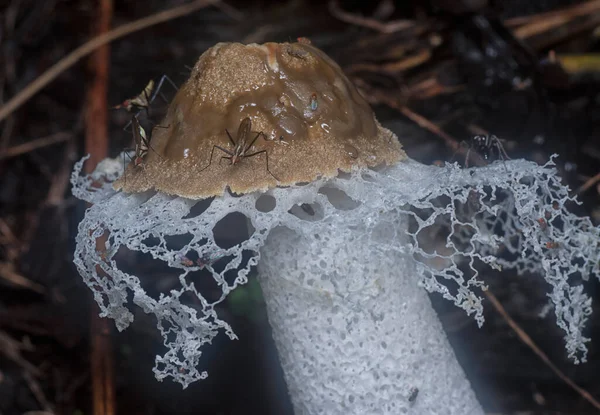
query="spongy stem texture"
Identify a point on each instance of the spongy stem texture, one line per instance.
(340, 260)
(360, 337)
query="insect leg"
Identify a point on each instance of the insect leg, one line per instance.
(126, 153)
(252, 142)
(462, 144)
(211, 156)
(501, 148)
(157, 90)
(230, 138)
(502, 152)
(467, 158)
(145, 107)
(210, 159)
(267, 159)
(147, 142)
(224, 157)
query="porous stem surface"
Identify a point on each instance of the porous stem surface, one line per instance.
(371, 343)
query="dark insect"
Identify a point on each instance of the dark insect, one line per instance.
(240, 148)
(184, 260)
(543, 223)
(204, 261)
(489, 147)
(142, 144)
(413, 394)
(144, 99)
(139, 102)
(308, 209)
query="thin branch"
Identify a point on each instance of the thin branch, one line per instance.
(36, 390)
(93, 44)
(421, 121)
(389, 27)
(531, 344)
(567, 13)
(589, 183)
(35, 144)
(380, 98)
(60, 181)
(544, 23)
(8, 273)
(96, 144)
(11, 348)
(404, 64)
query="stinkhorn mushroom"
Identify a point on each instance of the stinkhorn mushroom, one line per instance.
(340, 227)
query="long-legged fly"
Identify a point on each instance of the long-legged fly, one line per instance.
(241, 147)
(141, 142)
(144, 99)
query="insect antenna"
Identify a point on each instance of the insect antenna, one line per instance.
(159, 86)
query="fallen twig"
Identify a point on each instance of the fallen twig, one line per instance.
(11, 348)
(96, 144)
(35, 144)
(36, 390)
(404, 64)
(589, 183)
(388, 27)
(538, 23)
(93, 44)
(531, 344)
(8, 273)
(60, 181)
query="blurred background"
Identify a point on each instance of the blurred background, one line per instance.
(437, 72)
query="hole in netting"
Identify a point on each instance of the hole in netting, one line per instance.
(205, 284)
(151, 241)
(232, 230)
(491, 196)
(231, 275)
(199, 208)
(311, 212)
(367, 177)
(338, 198)
(219, 264)
(169, 330)
(343, 175)
(177, 242)
(155, 275)
(265, 203)
(416, 215)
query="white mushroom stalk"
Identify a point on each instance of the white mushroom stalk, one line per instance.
(354, 331)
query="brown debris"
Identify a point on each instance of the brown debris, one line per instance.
(309, 112)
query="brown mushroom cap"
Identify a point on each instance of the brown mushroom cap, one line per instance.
(314, 123)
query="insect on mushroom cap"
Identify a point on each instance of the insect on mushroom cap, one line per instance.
(306, 108)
